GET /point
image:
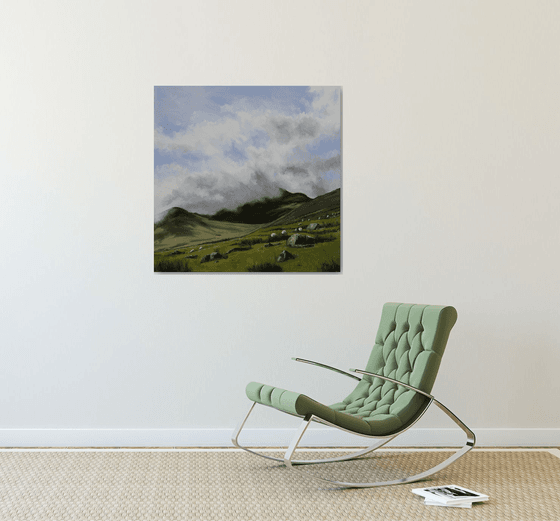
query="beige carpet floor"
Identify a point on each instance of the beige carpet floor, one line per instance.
(231, 485)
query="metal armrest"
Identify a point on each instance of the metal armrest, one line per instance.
(394, 381)
(330, 368)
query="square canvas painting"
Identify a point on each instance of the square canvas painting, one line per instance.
(247, 179)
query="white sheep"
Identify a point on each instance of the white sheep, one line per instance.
(272, 235)
(283, 232)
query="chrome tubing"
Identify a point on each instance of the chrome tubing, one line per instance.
(353, 455)
(382, 440)
(329, 367)
(471, 440)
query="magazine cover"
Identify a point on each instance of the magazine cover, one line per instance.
(450, 494)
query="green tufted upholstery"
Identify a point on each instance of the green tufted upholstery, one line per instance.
(408, 347)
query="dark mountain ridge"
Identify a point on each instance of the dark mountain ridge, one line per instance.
(263, 210)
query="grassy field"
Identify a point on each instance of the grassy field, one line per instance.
(258, 252)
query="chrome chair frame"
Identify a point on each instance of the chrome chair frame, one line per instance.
(382, 440)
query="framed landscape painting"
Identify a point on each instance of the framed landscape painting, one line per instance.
(247, 179)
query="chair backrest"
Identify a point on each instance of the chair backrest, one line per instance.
(410, 342)
(408, 347)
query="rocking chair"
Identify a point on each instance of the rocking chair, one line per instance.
(392, 395)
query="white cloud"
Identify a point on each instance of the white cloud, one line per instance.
(249, 153)
(209, 138)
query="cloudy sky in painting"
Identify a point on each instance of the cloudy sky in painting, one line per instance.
(219, 147)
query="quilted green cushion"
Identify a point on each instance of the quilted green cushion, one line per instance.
(408, 347)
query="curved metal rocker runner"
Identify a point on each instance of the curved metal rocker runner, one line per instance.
(392, 395)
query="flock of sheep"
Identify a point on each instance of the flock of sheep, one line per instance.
(284, 232)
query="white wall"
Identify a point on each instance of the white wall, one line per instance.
(451, 120)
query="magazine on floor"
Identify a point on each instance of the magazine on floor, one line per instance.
(450, 495)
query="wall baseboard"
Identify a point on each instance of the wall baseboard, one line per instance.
(314, 437)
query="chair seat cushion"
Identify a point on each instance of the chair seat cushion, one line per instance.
(382, 424)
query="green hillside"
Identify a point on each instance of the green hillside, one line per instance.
(182, 228)
(185, 241)
(326, 203)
